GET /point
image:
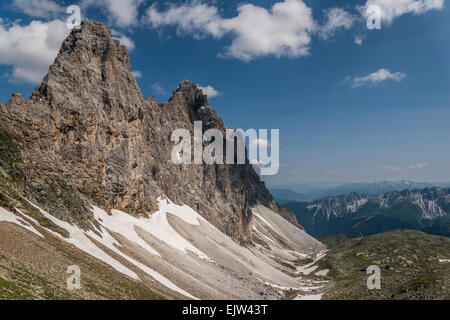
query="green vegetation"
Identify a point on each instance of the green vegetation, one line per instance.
(59, 199)
(22, 280)
(9, 155)
(49, 191)
(409, 262)
(302, 262)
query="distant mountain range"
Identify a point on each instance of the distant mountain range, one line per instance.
(308, 193)
(357, 214)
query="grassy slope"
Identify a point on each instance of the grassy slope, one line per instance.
(409, 262)
(32, 268)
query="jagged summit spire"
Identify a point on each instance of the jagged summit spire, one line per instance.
(91, 72)
(195, 98)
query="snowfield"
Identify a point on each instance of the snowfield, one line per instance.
(182, 253)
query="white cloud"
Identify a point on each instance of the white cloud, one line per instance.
(283, 30)
(124, 40)
(416, 166)
(376, 78)
(358, 41)
(123, 13)
(136, 74)
(391, 9)
(31, 49)
(158, 89)
(210, 91)
(337, 18)
(40, 8)
(194, 18)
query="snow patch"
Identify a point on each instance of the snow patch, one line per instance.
(311, 267)
(263, 220)
(6, 216)
(156, 225)
(81, 240)
(322, 273)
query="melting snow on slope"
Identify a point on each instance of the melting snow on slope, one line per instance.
(6, 216)
(310, 267)
(264, 220)
(80, 239)
(157, 225)
(322, 273)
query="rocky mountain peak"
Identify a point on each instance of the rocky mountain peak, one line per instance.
(91, 72)
(195, 98)
(88, 135)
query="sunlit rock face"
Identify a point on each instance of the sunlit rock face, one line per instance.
(88, 136)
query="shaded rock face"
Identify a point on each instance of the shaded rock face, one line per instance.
(88, 124)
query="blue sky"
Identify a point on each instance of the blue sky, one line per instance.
(352, 104)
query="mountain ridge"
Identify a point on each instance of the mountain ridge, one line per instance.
(354, 214)
(290, 193)
(87, 132)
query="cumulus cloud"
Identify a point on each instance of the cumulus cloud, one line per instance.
(375, 78)
(391, 9)
(31, 49)
(158, 89)
(39, 8)
(136, 74)
(124, 40)
(210, 91)
(122, 13)
(283, 30)
(336, 18)
(194, 18)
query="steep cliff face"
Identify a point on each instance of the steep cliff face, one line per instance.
(88, 135)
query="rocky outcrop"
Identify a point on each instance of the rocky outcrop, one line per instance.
(88, 135)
